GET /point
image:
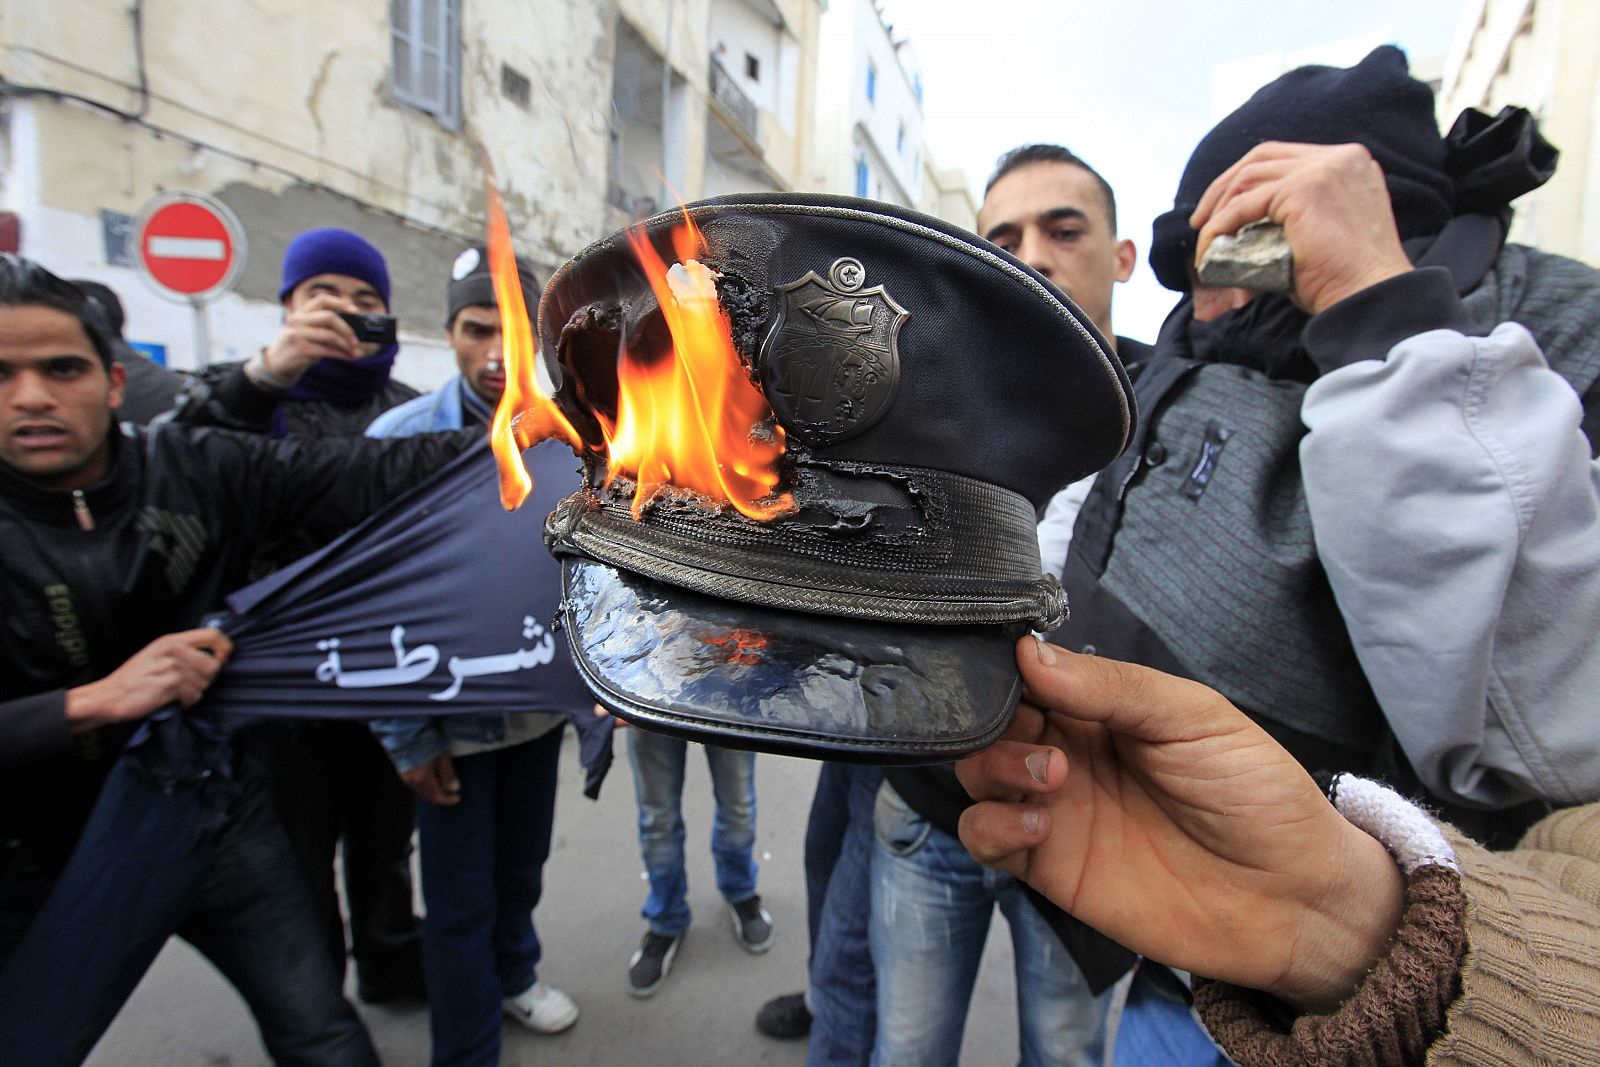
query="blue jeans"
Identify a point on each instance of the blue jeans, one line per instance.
(482, 873)
(842, 989)
(931, 907)
(143, 869)
(1159, 1024)
(658, 783)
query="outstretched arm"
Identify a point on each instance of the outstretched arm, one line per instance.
(1154, 810)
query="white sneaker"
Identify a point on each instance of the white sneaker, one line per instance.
(542, 1009)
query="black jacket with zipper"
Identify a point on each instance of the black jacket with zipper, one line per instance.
(89, 577)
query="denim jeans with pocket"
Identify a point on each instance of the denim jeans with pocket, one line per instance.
(931, 908)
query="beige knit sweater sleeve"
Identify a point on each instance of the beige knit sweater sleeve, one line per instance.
(1530, 983)
(1520, 988)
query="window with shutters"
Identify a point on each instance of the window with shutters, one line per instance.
(425, 37)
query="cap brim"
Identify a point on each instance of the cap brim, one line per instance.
(822, 686)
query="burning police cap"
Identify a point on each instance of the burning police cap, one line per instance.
(928, 395)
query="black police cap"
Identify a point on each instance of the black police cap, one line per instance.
(934, 393)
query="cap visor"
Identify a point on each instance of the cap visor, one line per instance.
(745, 676)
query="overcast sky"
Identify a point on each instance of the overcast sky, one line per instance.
(1126, 84)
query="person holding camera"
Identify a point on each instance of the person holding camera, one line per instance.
(327, 373)
(328, 370)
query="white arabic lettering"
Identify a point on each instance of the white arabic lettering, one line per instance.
(521, 659)
(408, 667)
(417, 663)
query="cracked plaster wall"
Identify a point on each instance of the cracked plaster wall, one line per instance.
(305, 100)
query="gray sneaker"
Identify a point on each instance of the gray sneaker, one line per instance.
(651, 962)
(752, 925)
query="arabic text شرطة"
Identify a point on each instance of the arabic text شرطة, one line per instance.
(417, 663)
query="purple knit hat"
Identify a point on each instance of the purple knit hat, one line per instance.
(333, 251)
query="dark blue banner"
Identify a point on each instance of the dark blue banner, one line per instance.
(442, 603)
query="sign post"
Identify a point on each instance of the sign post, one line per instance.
(190, 248)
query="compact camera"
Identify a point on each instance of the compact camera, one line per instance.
(371, 328)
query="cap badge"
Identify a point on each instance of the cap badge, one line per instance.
(830, 365)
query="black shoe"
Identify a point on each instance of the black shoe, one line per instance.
(785, 1017)
(651, 962)
(752, 925)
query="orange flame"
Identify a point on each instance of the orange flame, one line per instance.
(690, 418)
(695, 421)
(525, 415)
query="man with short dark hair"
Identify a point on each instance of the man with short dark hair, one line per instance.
(118, 543)
(1053, 211)
(931, 902)
(1056, 213)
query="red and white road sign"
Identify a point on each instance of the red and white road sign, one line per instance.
(189, 246)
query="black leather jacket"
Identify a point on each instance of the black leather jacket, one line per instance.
(221, 395)
(88, 578)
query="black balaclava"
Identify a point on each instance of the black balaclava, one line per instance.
(1375, 103)
(1480, 167)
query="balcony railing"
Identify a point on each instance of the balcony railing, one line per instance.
(727, 92)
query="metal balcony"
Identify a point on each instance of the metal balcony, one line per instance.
(725, 90)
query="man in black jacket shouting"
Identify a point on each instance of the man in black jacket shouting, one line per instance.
(116, 545)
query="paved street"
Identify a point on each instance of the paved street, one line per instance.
(185, 1014)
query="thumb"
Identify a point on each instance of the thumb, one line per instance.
(214, 641)
(447, 775)
(1123, 697)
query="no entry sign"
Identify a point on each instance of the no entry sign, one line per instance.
(189, 246)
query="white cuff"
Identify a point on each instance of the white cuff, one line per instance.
(1404, 829)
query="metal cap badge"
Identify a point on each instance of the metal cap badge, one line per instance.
(830, 364)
